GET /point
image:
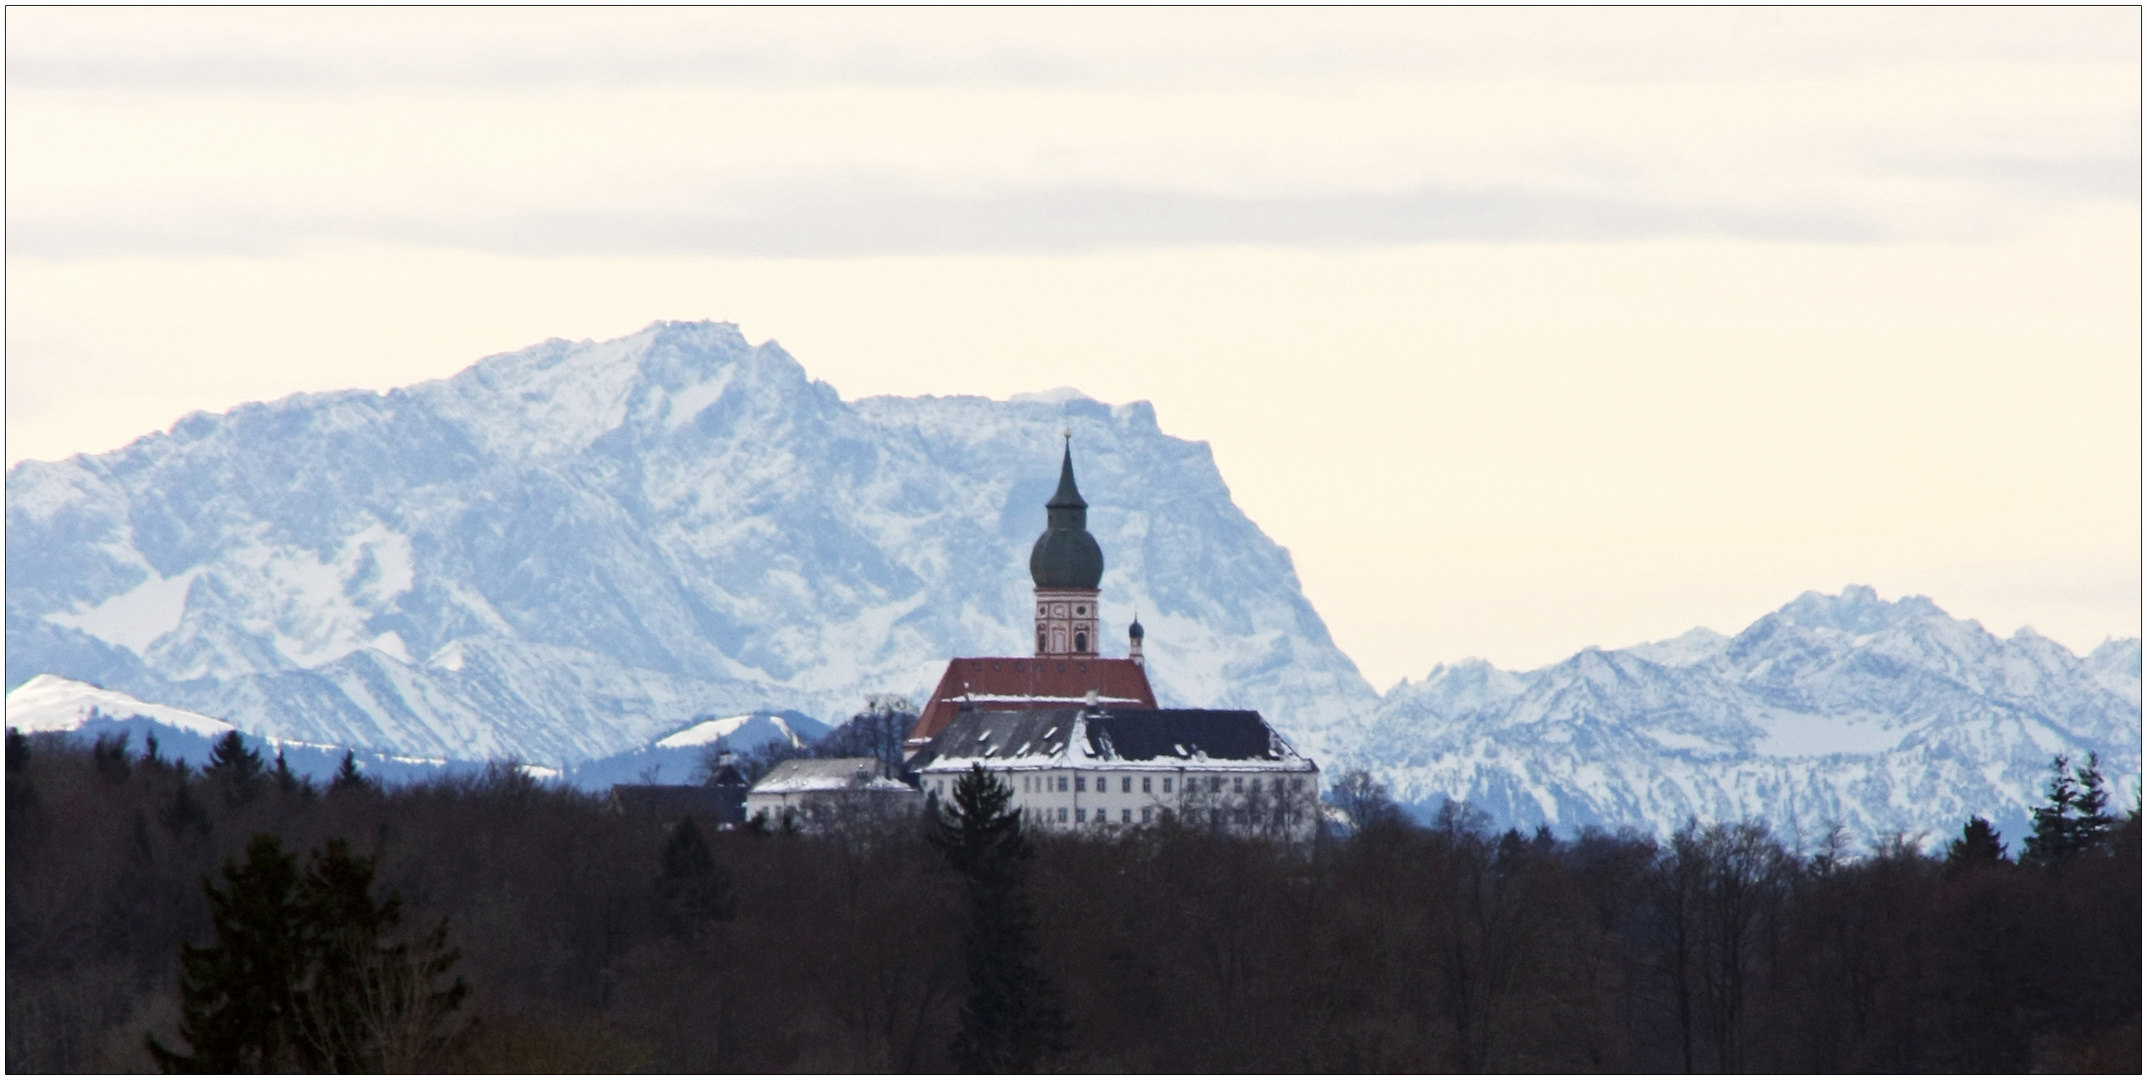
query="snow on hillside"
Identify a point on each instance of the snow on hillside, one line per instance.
(561, 553)
(1883, 716)
(51, 703)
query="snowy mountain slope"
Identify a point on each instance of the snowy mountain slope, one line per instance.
(51, 703)
(1879, 715)
(84, 714)
(563, 552)
(677, 758)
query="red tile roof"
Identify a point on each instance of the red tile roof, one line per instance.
(999, 683)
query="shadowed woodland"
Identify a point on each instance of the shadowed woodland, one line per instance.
(532, 930)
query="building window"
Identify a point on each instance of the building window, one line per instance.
(1039, 641)
(1145, 782)
(1080, 783)
(1080, 611)
(1125, 817)
(1297, 784)
(1215, 783)
(1062, 815)
(1081, 814)
(1062, 783)
(1126, 785)
(1080, 642)
(1166, 785)
(1147, 814)
(1238, 784)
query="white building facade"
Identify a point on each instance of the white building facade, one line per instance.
(819, 794)
(1103, 770)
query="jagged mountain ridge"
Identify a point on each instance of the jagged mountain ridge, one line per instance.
(1881, 716)
(561, 552)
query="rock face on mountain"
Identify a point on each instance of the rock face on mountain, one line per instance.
(1880, 716)
(562, 552)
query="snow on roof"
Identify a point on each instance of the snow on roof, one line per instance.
(1029, 682)
(51, 703)
(826, 774)
(1109, 738)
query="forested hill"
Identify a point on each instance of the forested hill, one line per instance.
(1402, 949)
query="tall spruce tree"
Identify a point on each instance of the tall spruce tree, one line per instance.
(1012, 1021)
(368, 1005)
(236, 769)
(2076, 816)
(1979, 844)
(347, 777)
(299, 977)
(238, 995)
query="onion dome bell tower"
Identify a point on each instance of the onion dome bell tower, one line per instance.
(1067, 565)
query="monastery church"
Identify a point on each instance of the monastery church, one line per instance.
(1079, 737)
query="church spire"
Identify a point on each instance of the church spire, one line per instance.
(1068, 497)
(1067, 565)
(1066, 556)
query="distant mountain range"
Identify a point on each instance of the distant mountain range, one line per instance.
(568, 553)
(1879, 716)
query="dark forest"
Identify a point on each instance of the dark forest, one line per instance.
(547, 933)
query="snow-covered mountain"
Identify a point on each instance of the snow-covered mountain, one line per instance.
(1881, 716)
(86, 714)
(564, 552)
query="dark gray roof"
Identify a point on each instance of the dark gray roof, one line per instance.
(1163, 736)
(1149, 734)
(725, 804)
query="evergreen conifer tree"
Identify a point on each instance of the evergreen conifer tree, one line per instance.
(347, 776)
(1978, 845)
(1011, 1021)
(369, 1006)
(299, 979)
(239, 1007)
(2075, 818)
(288, 782)
(235, 768)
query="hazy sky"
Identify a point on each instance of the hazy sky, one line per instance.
(1524, 330)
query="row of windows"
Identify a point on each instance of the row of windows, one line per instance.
(1059, 640)
(1220, 816)
(1033, 784)
(1149, 785)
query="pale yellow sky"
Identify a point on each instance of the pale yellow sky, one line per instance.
(1523, 330)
